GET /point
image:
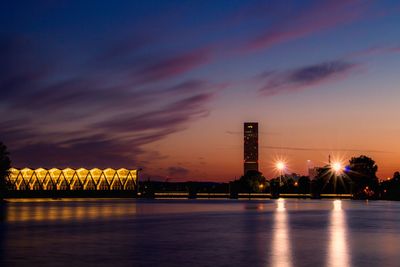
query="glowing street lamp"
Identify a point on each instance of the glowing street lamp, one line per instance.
(337, 167)
(280, 166)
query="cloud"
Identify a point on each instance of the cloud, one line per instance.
(176, 113)
(373, 51)
(84, 118)
(193, 85)
(321, 15)
(89, 153)
(304, 77)
(172, 66)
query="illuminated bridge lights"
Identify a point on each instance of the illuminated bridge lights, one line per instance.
(73, 179)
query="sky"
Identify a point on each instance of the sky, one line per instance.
(166, 85)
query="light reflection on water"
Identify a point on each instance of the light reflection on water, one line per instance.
(60, 211)
(283, 232)
(281, 251)
(338, 251)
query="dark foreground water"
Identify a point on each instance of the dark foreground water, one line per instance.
(200, 233)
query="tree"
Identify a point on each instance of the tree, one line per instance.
(390, 189)
(322, 182)
(362, 172)
(304, 185)
(396, 177)
(5, 165)
(329, 181)
(252, 181)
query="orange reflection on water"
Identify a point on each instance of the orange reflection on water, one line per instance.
(338, 254)
(67, 211)
(281, 248)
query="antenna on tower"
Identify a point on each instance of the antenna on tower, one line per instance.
(329, 159)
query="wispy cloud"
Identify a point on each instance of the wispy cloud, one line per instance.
(164, 117)
(321, 15)
(111, 118)
(374, 51)
(276, 82)
(172, 66)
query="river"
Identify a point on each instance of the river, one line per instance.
(127, 232)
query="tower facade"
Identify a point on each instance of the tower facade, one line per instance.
(250, 146)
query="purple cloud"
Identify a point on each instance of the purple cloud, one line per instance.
(373, 51)
(168, 116)
(322, 15)
(172, 66)
(304, 77)
(58, 118)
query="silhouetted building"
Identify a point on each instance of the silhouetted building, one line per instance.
(250, 146)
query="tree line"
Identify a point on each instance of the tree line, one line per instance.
(358, 178)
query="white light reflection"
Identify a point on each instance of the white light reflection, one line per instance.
(338, 251)
(281, 251)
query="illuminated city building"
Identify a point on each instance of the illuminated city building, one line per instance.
(250, 146)
(73, 179)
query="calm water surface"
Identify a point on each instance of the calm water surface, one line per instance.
(200, 233)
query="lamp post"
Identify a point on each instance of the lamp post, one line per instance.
(280, 166)
(261, 187)
(137, 181)
(337, 167)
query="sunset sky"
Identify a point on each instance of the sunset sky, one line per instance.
(167, 85)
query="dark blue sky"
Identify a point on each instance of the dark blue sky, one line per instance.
(166, 85)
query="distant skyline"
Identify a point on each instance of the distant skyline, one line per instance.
(167, 85)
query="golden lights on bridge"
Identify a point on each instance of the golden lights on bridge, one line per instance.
(73, 179)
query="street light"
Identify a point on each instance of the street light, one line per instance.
(261, 187)
(337, 167)
(137, 182)
(280, 166)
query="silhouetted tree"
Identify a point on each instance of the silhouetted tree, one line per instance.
(321, 181)
(192, 188)
(362, 172)
(147, 188)
(390, 189)
(275, 187)
(284, 184)
(327, 181)
(304, 185)
(5, 165)
(252, 181)
(396, 176)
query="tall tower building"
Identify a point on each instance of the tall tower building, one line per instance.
(250, 146)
